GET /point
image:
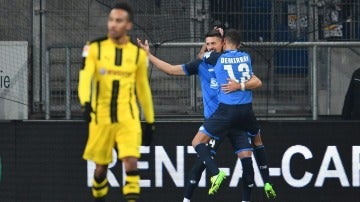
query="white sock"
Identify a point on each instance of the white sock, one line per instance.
(186, 200)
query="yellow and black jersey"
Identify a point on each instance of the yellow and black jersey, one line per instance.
(110, 77)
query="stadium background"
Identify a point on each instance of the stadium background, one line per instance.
(304, 51)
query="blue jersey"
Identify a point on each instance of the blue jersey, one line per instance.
(208, 82)
(237, 66)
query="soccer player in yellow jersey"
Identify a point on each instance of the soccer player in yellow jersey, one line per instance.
(114, 70)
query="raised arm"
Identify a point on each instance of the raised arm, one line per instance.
(160, 64)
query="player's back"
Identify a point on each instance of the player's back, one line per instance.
(237, 66)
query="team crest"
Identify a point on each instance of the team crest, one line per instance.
(102, 71)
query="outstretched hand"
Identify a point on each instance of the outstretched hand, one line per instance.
(144, 45)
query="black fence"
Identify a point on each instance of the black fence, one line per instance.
(309, 161)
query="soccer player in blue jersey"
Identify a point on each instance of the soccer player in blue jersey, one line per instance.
(209, 90)
(234, 111)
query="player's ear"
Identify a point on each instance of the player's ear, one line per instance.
(129, 26)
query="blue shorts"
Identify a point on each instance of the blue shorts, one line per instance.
(239, 140)
(231, 117)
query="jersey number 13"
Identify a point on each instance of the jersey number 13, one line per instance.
(243, 68)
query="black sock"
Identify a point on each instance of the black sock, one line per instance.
(247, 177)
(205, 156)
(194, 177)
(261, 159)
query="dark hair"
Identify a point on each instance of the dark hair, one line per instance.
(125, 6)
(232, 36)
(213, 33)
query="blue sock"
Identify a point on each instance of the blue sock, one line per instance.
(194, 177)
(205, 156)
(247, 177)
(262, 161)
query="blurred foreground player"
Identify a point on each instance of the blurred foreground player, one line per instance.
(114, 70)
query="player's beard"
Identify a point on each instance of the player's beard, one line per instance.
(113, 34)
(116, 36)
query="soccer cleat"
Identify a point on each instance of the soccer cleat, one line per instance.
(269, 191)
(216, 181)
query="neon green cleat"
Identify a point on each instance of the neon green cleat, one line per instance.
(269, 191)
(216, 181)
